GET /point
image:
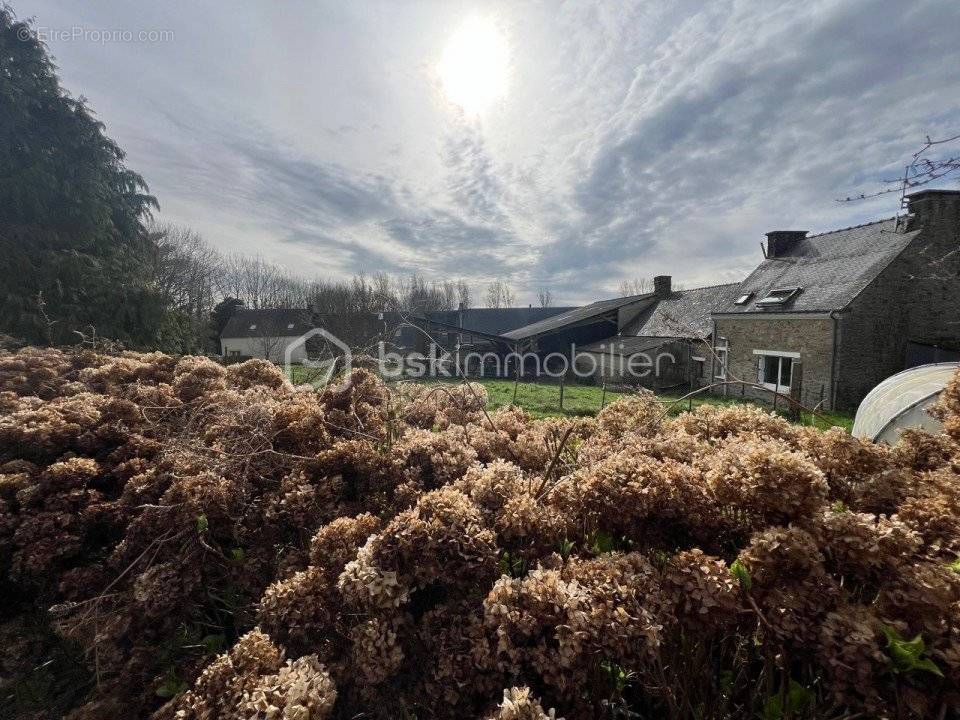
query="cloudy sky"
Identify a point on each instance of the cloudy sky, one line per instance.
(561, 145)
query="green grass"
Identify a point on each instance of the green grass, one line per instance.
(543, 400)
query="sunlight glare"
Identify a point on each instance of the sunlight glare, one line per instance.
(473, 68)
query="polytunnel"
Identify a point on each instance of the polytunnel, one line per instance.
(901, 401)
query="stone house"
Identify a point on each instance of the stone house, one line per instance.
(827, 317)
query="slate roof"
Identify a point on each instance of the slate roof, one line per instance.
(832, 268)
(684, 313)
(496, 321)
(276, 322)
(628, 344)
(575, 315)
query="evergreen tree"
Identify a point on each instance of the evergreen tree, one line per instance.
(74, 254)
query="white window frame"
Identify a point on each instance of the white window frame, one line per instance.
(781, 354)
(722, 352)
(779, 296)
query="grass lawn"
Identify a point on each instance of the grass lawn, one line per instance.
(543, 400)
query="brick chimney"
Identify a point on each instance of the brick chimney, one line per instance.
(661, 285)
(934, 207)
(781, 242)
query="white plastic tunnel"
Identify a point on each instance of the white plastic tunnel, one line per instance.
(901, 401)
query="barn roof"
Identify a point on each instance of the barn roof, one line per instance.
(628, 344)
(495, 321)
(827, 271)
(273, 322)
(683, 313)
(574, 316)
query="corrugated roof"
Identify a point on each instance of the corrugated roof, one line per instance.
(274, 322)
(576, 315)
(832, 268)
(684, 313)
(495, 321)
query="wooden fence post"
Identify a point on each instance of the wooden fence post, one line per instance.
(561, 391)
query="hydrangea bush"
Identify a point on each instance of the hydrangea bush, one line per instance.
(195, 541)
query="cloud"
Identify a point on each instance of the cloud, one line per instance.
(636, 138)
(749, 111)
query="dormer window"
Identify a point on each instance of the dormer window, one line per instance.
(743, 299)
(779, 296)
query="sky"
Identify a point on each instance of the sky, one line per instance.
(554, 145)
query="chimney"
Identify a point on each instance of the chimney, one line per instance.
(934, 207)
(781, 242)
(661, 285)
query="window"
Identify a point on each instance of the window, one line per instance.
(235, 352)
(721, 351)
(775, 370)
(699, 366)
(253, 327)
(778, 296)
(290, 326)
(743, 299)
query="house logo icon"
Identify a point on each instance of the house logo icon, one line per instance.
(325, 368)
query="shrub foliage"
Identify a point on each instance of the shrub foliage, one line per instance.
(185, 540)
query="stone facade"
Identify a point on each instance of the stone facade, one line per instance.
(811, 337)
(915, 299)
(664, 367)
(846, 351)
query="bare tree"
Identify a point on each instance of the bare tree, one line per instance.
(463, 294)
(499, 295)
(545, 298)
(269, 346)
(415, 295)
(636, 286)
(185, 269)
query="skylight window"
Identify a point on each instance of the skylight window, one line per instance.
(778, 296)
(743, 299)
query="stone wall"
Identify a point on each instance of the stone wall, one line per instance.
(666, 367)
(810, 336)
(916, 298)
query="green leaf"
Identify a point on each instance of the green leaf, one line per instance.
(740, 572)
(202, 524)
(171, 686)
(566, 548)
(237, 554)
(799, 701)
(907, 655)
(600, 542)
(955, 565)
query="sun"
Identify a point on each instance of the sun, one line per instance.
(473, 68)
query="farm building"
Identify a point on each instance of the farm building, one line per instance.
(669, 327)
(827, 317)
(470, 329)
